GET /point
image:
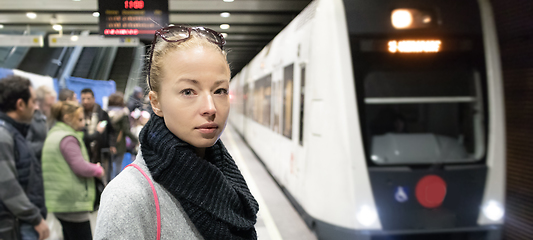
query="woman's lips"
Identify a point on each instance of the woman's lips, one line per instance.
(207, 128)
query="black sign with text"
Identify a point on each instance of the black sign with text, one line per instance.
(134, 18)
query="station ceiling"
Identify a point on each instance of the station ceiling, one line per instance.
(253, 23)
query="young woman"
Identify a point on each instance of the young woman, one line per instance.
(198, 192)
(68, 175)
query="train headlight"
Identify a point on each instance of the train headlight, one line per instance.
(407, 18)
(493, 210)
(366, 216)
(401, 18)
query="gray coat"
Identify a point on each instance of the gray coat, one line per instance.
(37, 133)
(127, 209)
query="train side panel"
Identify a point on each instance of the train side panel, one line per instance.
(494, 192)
(330, 166)
(336, 163)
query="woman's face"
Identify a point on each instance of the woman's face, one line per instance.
(193, 96)
(76, 120)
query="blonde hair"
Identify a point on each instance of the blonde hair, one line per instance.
(162, 48)
(70, 109)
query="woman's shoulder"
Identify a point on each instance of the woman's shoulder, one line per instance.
(129, 187)
(132, 189)
(126, 203)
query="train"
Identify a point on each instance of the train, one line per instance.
(382, 119)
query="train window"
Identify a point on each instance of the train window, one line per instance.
(423, 117)
(302, 104)
(276, 94)
(262, 93)
(245, 99)
(421, 109)
(288, 76)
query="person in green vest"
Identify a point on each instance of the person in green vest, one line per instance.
(68, 175)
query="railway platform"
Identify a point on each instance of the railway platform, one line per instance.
(277, 219)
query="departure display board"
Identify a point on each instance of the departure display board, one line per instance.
(140, 18)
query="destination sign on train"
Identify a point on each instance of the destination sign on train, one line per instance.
(414, 46)
(138, 18)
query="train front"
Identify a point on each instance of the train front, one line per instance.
(430, 103)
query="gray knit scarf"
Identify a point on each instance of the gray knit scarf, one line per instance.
(212, 191)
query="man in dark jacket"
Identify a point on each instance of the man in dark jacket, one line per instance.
(22, 208)
(99, 135)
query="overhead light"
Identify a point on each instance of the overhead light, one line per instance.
(224, 26)
(228, 0)
(1, 26)
(31, 15)
(225, 14)
(57, 27)
(171, 25)
(74, 38)
(76, 0)
(96, 14)
(225, 35)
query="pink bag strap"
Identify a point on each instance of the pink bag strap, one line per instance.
(156, 199)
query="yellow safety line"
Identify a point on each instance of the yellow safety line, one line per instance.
(267, 218)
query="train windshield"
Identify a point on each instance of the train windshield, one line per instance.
(421, 108)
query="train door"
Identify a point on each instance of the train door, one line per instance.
(298, 162)
(298, 154)
(297, 159)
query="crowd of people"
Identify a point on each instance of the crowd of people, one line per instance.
(57, 154)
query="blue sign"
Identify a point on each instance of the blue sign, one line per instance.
(401, 194)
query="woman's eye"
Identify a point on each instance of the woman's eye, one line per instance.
(221, 91)
(187, 92)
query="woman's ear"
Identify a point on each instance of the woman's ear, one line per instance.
(156, 105)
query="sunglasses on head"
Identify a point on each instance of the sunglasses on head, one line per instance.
(180, 34)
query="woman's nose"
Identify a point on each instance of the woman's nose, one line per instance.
(208, 106)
